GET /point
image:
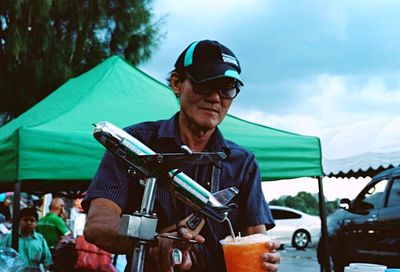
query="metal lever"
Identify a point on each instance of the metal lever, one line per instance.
(176, 238)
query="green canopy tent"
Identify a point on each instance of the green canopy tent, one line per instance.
(53, 140)
(50, 147)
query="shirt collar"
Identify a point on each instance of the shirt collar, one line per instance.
(34, 234)
(169, 129)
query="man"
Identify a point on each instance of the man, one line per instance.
(52, 225)
(32, 247)
(78, 218)
(206, 80)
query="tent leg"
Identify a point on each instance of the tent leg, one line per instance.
(325, 265)
(15, 215)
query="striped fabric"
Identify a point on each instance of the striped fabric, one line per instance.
(239, 170)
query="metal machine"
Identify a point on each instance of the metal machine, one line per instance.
(148, 167)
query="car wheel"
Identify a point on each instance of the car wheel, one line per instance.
(300, 239)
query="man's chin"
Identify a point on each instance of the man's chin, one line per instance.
(208, 125)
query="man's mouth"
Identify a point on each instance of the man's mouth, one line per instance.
(210, 109)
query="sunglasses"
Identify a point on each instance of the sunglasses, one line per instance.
(205, 88)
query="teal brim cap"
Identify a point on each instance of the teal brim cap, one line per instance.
(206, 60)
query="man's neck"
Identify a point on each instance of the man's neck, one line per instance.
(195, 138)
(56, 212)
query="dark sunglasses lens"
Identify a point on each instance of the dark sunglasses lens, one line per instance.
(206, 88)
(202, 89)
(229, 92)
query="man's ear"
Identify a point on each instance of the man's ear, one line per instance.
(175, 83)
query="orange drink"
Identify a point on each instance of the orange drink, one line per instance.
(244, 254)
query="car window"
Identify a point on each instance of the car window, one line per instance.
(282, 214)
(373, 195)
(394, 195)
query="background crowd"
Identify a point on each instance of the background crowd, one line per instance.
(50, 236)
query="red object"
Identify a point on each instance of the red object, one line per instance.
(90, 257)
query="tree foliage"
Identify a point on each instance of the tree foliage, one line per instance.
(304, 202)
(45, 42)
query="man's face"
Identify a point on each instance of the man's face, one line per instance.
(28, 224)
(204, 111)
(59, 206)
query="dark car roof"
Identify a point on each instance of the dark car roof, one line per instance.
(390, 172)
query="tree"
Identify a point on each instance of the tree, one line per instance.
(45, 42)
(304, 202)
(277, 202)
(311, 202)
(296, 202)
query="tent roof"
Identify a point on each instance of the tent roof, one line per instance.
(361, 149)
(53, 140)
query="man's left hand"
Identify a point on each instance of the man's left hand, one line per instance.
(271, 259)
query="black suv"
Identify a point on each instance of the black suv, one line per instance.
(368, 228)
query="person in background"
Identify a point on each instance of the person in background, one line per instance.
(4, 206)
(52, 226)
(205, 80)
(78, 218)
(32, 246)
(3, 228)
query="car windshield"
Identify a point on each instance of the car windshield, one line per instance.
(374, 194)
(394, 196)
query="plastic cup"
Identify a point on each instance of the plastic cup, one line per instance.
(366, 267)
(244, 254)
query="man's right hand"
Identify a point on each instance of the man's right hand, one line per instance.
(162, 253)
(102, 226)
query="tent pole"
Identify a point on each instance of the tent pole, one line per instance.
(15, 215)
(325, 265)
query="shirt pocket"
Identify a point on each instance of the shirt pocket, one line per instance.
(35, 252)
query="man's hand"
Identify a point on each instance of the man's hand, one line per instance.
(102, 226)
(162, 253)
(271, 259)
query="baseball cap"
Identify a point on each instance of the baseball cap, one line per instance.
(205, 60)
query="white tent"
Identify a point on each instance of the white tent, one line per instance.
(361, 149)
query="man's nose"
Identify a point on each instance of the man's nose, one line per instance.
(214, 95)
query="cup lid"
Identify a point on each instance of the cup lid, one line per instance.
(366, 267)
(250, 239)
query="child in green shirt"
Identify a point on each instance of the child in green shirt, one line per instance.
(32, 247)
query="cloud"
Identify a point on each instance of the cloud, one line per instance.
(223, 9)
(290, 122)
(306, 66)
(330, 101)
(333, 187)
(276, 40)
(335, 93)
(377, 91)
(208, 18)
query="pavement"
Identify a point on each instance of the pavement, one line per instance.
(299, 260)
(292, 260)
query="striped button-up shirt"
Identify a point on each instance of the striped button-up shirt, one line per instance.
(239, 170)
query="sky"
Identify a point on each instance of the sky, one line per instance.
(307, 65)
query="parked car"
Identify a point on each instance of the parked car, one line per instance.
(294, 227)
(367, 229)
